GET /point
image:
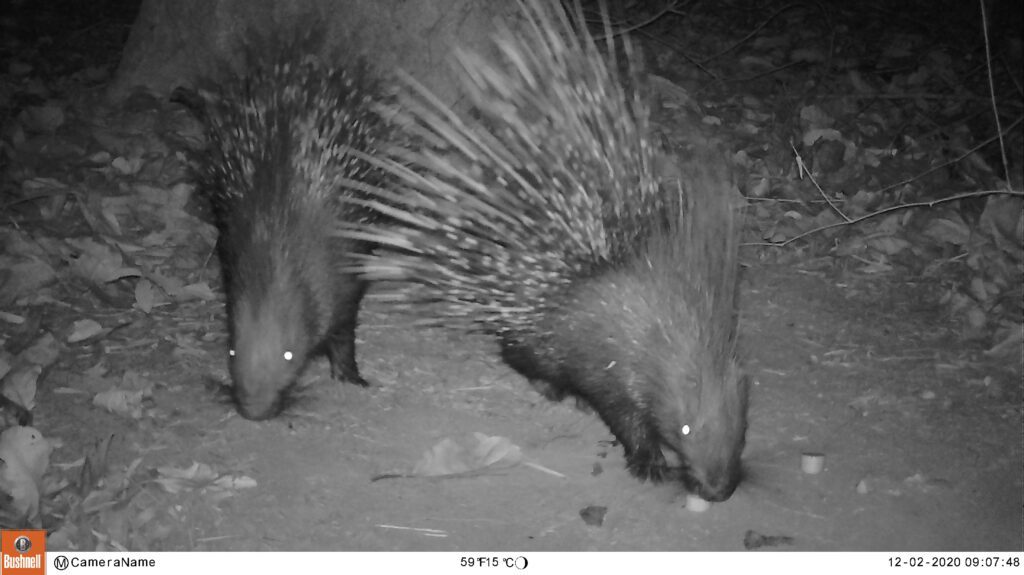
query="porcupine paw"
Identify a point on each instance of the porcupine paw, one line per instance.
(344, 368)
(647, 465)
(341, 351)
(348, 375)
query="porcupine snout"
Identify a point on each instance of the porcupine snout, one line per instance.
(711, 450)
(267, 353)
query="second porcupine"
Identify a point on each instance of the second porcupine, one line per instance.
(281, 140)
(542, 222)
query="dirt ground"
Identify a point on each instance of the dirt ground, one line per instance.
(921, 435)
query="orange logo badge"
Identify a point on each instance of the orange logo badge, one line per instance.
(22, 552)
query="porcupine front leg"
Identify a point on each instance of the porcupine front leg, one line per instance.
(594, 390)
(341, 341)
(522, 358)
(639, 438)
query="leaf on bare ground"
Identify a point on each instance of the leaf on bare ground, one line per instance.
(146, 295)
(28, 446)
(1010, 345)
(879, 265)
(951, 230)
(99, 263)
(199, 290)
(201, 476)
(1003, 220)
(813, 116)
(127, 398)
(26, 276)
(64, 537)
(44, 351)
(120, 401)
(127, 166)
(95, 466)
(84, 329)
(19, 385)
(13, 414)
(45, 118)
(176, 289)
(24, 457)
(178, 479)
(474, 455)
(112, 488)
(888, 245)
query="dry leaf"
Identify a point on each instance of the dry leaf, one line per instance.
(84, 329)
(44, 351)
(24, 457)
(482, 452)
(20, 386)
(121, 402)
(98, 262)
(145, 295)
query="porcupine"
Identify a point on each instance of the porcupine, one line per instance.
(542, 221)
(281, 138)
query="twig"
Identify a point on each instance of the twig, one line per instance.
(621, 29)
(998, 136)
(992, 92)
(927, 204)
(906, 96)
(759, 75)
(742, 40)
(543, 469)
(803, 170)
(423, 530)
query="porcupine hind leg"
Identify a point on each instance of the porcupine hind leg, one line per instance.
(341, 340)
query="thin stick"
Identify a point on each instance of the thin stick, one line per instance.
(803, 170)
(992, 92)
(890, 209)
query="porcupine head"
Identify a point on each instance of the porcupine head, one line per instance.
(683, 395)
(268, 346)
(288, 298)
(649, 339)
(700, 410)
(275, 275)
(701, 416)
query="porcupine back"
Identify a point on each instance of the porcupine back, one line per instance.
(542, 222)
(281, 140)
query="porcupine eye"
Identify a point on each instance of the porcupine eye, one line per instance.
(685, 430)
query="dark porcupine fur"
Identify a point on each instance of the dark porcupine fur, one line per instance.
(281, 139)
(542, 221)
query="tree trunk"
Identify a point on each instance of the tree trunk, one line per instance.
(173, 42)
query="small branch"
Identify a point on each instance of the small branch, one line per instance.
(998, 136)
(890, 209)
(620, 29)
(803, 170)
(992, 91)
(752, 33)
